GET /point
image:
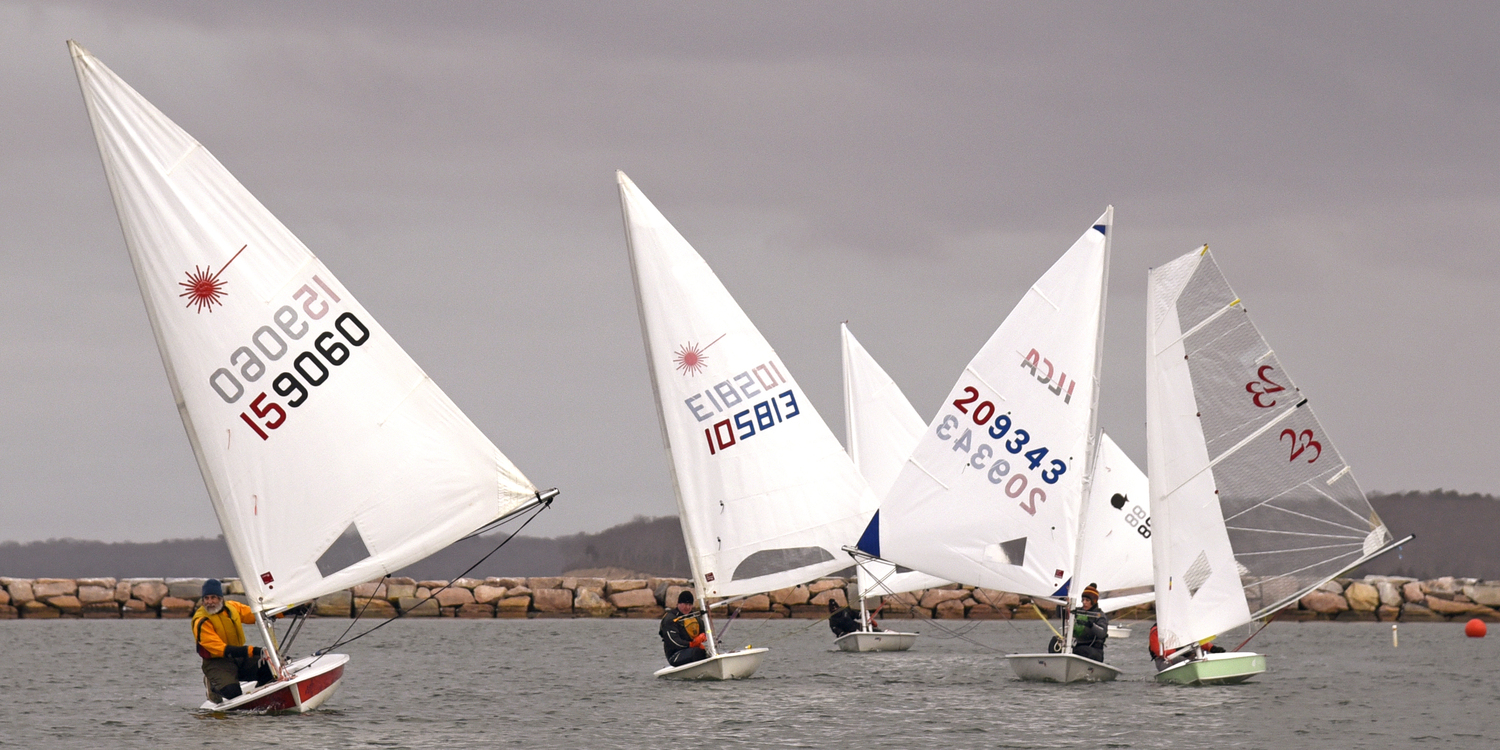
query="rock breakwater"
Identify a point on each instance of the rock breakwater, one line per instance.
(1369, 599)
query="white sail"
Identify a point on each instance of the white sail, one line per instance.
(311, 426)
(1115, 541)
(881, 428)
(767, 496)
(991, 494)
(1253, 505)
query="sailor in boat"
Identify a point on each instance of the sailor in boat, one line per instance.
(1162, 657)
(682, 633)
(1090, 628)
(844, 621)
(218, 630)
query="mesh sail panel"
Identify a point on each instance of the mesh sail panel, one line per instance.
(1170, 276)
(1205, 295)
(1222, 352)
(1294, 514)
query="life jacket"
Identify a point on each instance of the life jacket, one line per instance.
(693, 627)
(218, 630)
(1090, 628)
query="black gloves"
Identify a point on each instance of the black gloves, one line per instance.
(239, 652)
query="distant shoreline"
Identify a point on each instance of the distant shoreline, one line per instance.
(1368, 599)
(1454, 533)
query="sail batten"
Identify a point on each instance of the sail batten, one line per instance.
(300, 408)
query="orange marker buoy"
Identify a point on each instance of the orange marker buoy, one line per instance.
(1475, 628)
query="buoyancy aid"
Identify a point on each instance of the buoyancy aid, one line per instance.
(213, 632)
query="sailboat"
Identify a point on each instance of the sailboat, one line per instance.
(881, 428)
(766, 494)
(329, 456)
(994, 493)
(1254, 506)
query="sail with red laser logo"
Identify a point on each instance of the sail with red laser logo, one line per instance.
(767, 495)
(330, 457)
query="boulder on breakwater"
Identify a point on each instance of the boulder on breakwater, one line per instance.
(1369, 599)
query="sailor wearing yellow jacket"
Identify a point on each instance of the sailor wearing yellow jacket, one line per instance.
(218, 630)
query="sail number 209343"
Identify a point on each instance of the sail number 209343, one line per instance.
(985, 457)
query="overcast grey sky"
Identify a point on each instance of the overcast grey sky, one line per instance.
(910, 168)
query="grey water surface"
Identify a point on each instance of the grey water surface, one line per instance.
(587, 683)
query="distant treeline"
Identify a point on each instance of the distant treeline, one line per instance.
(76, 558)
(1455, 536)
(643, 545)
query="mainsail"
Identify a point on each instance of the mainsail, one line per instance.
(767, 495)
(1114, 544)
(329, 456)
(1254, 507)
(1115, 539)
(881, 428)
(992, 493)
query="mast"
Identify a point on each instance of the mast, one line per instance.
(270, 635)
(851, 444)
(1091, 455)
(700, 585)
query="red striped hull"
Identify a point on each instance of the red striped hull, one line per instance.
(314, 680)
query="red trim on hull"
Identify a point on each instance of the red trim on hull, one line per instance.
(284, 700)
(281, 700)
(318, 683)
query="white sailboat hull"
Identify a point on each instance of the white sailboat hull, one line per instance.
(735, 665)
(1060, 668)
(878, 640)
(311, 681)
(1119, 631)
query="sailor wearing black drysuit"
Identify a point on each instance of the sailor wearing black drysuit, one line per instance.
(1090, 628)
(682, 635)
(842, 621)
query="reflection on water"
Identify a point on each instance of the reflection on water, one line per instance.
(571, 683)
